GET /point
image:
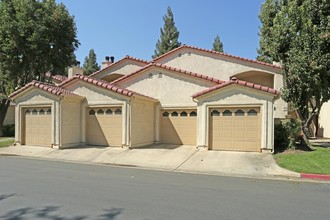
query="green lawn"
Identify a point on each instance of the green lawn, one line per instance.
(6, 143)
(317, 162)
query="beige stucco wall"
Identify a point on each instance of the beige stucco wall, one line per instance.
(70, 123)
(324, 120)
(123, 68)
(231, 97)
(10, 116)
(172, 90)
(95, 95)
(142, 123)
(223, 68)
(36, 98)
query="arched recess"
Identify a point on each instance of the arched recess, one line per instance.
(257, 77)
(112, 77)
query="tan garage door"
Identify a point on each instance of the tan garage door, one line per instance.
(38, 126)
(235, 129)
(104, 126)
(178, 127)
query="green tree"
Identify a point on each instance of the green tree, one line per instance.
(169, 35)
(267, 15)
(217, 44)
(298, 37)
(90, 65)
(35, 37)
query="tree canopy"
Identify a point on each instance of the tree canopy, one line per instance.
(90, 65)
(217, 44)
(296, 34)
(35, 37)
(169, 35)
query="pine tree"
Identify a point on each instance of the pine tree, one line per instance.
(169, 35)
(90, 65)
(217, 44)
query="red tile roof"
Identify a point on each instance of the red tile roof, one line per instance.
(118, 62)
(55, 90)
(57, 77)
(238, 82)
(217, 53)
(163, 66)
(104, 84)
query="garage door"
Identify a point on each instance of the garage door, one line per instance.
(235, 129)
(104, 126)
(38, 126)
(178, 127)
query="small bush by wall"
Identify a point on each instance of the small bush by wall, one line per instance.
(286, 135)
(8, 130)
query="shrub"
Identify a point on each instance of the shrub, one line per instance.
(8, 130)
(286, 134)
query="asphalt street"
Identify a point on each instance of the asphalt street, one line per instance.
(41, 189)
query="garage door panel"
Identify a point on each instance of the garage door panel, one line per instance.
(38, 127)
(178, 127)
(104, 126)
(235, 129)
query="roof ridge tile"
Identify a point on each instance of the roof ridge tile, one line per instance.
(238, 82)
(218, 53)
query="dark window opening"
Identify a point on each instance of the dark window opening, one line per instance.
(193, 114)
(100, 112)
(215, 113)
(166, 114)
(252, 112)
(118, 111)
(108, 112)
(174, 114)
(183, 114)
(227, 113)
(91, 112)
(239, 112)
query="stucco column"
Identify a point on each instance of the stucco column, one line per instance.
(202, 126)
(157, 124)
(126, 128)
(83, 122)
(56, 118)
(18, 127)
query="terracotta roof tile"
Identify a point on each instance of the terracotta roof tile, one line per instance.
(103, 84)
(118, 62)
(57, 77)
(55, 90)
(239, 82)
(217, 53)
(163, 66)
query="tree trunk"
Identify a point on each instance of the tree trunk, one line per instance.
(4, 105)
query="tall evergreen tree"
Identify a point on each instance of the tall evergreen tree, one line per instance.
(90, 65)
(298, 37)
(217, 44)
(35, 37)
(169, 35)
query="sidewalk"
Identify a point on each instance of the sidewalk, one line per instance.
(164, 157)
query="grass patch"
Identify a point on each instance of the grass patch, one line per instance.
(317, 162)
(6, 143)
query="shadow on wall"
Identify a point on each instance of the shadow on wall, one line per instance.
(52, 213)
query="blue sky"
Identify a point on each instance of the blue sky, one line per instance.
(132, 27)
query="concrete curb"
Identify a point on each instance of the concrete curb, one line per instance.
(315, 176)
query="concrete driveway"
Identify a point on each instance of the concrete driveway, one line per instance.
(164, 157)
